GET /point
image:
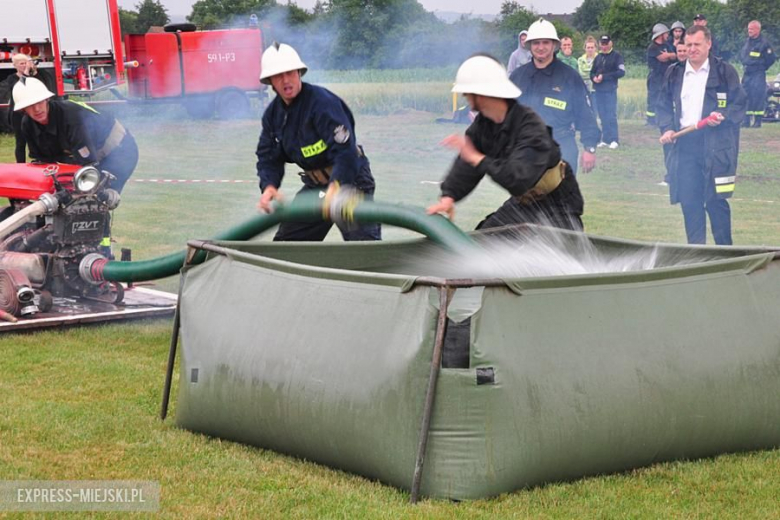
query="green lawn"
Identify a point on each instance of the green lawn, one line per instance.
(82, 403)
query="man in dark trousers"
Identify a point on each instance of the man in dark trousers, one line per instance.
(703, 163)
(607, 69)
(557, 93)
(313, 128)
(659, 56)
(74, 133)
(509, 143)
(756, 56)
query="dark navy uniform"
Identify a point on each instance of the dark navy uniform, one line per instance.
(703, 164)
(15, 116)
(611, 68)
(317, 132)
(655, 75)
(519, 152)
(558, 94)
(79, 134)
(756, 56)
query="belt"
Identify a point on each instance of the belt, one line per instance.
(551, 179)
(113, 140)
(321, 176)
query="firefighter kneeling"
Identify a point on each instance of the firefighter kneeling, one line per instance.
(74, 133)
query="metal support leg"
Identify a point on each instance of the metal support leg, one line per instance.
(430, 395)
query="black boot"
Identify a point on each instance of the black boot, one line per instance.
(746, 122)
(757, 122)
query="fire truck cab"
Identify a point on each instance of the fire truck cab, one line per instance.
(79, 41)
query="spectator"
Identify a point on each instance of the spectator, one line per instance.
(521, 56)
(25, 67)
(566, 56)
(509, 143)
(678, 33)
(703, 163)
(585, 62)
(607, 69)
(682, 52)
(756, 56)
(659, 55)
(557, 93)
(701, 19)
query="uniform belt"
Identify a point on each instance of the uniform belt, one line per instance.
(113, 140)
(320, 176)
(551, 179)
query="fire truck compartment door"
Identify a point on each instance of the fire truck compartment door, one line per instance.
(22, 20)
(84, 25)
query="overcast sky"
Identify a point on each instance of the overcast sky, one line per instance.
(184, 7)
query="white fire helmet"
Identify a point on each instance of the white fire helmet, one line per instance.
(678, 25)
(485, 76)
(279, 58)
(658, 30)
(29, 91)
(541, 29)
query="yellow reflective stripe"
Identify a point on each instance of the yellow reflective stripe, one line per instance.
(650, 114)
(724, 188)
(106, 241)
(82, 104)
(725, 184)
(314, 149)
(555, 103)
(755, 54)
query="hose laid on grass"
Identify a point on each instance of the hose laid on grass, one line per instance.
(305, 208)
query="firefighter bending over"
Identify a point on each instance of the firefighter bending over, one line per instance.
(74, 133)
(511, 144)
(313, 128)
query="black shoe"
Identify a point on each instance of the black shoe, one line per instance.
(746, 122)
(757, 122)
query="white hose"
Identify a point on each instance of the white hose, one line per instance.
(20, 218)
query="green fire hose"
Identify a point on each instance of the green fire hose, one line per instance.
(305, 208)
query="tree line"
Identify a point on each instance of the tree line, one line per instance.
(379, 34)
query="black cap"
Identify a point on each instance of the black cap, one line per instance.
(605, 38)
(699, 17)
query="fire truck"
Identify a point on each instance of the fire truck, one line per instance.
(78, 40)
(209, 72)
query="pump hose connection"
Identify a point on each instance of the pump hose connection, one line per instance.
(345, 206)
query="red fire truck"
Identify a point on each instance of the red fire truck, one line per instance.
(79, 40)
(207, 71)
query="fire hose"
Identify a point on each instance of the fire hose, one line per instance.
(345, 207)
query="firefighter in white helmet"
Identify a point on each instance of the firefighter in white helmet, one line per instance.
(557, 93)
(313, 128)
(659, 56)
(509, 143)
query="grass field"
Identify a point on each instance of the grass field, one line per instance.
(82, 403)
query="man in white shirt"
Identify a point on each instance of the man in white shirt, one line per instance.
(702, 164)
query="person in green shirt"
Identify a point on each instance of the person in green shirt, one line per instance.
(567, 53)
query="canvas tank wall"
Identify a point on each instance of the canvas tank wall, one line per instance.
(543, 379)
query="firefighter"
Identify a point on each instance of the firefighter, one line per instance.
(608, 68)
(659, 56)
(756, 56)
(702, 164)
(509, 143)
(557, 93)
(74, 133)
(313, 128)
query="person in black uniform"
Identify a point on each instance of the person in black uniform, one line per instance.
(659, 56)
(509, 143)
(702, 164)
(701, 19)
(74, 133)
(607, 69)
(313, 128)
(756, 56)
(557, 93)
(25, 67)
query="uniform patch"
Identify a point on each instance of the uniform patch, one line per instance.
(556, 89)
(314, 149)
(555, 103)
(84, 152)
(341, 134)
